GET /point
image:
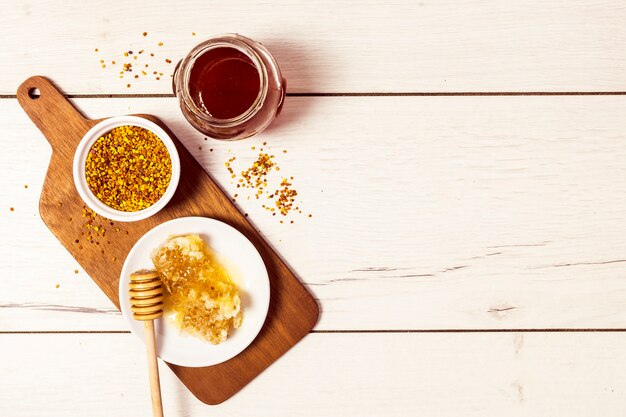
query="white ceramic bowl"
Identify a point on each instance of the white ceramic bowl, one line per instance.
(79, 168)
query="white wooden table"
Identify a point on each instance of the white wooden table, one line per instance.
(465, 164)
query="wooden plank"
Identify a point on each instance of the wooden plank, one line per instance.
(328, 46)
(293, 311)
(428, 213)
(361, 375)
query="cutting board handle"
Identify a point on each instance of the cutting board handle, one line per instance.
(50, 110)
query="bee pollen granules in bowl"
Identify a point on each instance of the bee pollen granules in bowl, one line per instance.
(126, 168)
(129, 168)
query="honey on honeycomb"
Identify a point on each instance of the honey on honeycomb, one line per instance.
(200, 291)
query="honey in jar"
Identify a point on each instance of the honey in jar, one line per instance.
(229, 87)
(224, 83)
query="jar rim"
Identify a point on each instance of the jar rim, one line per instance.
(238, 43)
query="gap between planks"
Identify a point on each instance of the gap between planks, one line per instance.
(380, 331)
(347, 94)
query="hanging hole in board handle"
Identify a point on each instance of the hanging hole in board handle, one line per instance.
(50, 110)
(34, 93)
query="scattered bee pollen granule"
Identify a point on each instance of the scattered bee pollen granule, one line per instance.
(286, 197)
(255, 175)
(258, 178)
(128, 169)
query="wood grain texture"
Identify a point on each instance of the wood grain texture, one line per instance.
(330, 46)
(338, 375)
(428, 212)
(293, 312)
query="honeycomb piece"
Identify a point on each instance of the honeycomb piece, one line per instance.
(199, 289)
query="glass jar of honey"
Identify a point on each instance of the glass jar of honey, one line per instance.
(229, 87)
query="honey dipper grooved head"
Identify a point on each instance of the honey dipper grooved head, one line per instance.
(146, 295)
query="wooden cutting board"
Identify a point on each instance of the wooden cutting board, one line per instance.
(293, 311)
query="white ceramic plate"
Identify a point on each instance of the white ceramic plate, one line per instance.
(246, 267)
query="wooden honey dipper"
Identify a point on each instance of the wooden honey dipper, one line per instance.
(146, 303)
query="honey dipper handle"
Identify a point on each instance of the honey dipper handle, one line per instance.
(153, 369)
